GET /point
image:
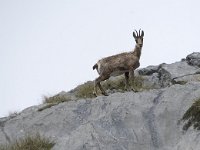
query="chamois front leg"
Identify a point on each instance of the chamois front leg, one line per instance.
(132, 82)
(127, 84)
(98, 84)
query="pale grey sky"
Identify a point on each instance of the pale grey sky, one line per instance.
(47, 46)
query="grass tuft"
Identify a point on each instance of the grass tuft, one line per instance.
(54, 100)
(85, 90)
(30, 143)
(192, 116)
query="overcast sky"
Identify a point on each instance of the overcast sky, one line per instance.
(49, 46)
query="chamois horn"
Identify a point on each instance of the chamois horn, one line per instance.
(136, 33)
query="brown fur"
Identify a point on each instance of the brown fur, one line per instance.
(119, 64)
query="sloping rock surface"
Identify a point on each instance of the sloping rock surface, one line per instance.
(147, 120)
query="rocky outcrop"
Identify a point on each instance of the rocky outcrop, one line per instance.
(193, 59)
(165, 75)
(147, 120)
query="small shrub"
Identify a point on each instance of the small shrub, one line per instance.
(192, 116)
(30, 143)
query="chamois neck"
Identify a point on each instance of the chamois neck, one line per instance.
(137, 51)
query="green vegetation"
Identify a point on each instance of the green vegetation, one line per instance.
(54, 100)
(192, 116)
(137, 83)
(115, 84)
(30, 143)
(86, 90)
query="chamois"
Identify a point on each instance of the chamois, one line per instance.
(115, 65)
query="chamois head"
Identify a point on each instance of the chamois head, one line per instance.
(138, 38)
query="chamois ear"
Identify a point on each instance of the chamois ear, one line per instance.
(142, 33)
(134, 35)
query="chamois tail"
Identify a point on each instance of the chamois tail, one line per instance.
(95, 66)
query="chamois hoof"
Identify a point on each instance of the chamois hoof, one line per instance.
(105, 94)
(128, 89)
(95, 94)
(134, 90)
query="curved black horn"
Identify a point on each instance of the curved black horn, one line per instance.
(142, 34)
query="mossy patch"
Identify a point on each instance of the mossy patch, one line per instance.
(36, 142)
(192, 116)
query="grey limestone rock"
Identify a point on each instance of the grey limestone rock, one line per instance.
(193, 59)
(147, 120)
(167, 74)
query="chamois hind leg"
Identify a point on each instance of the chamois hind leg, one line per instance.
(98, 84)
